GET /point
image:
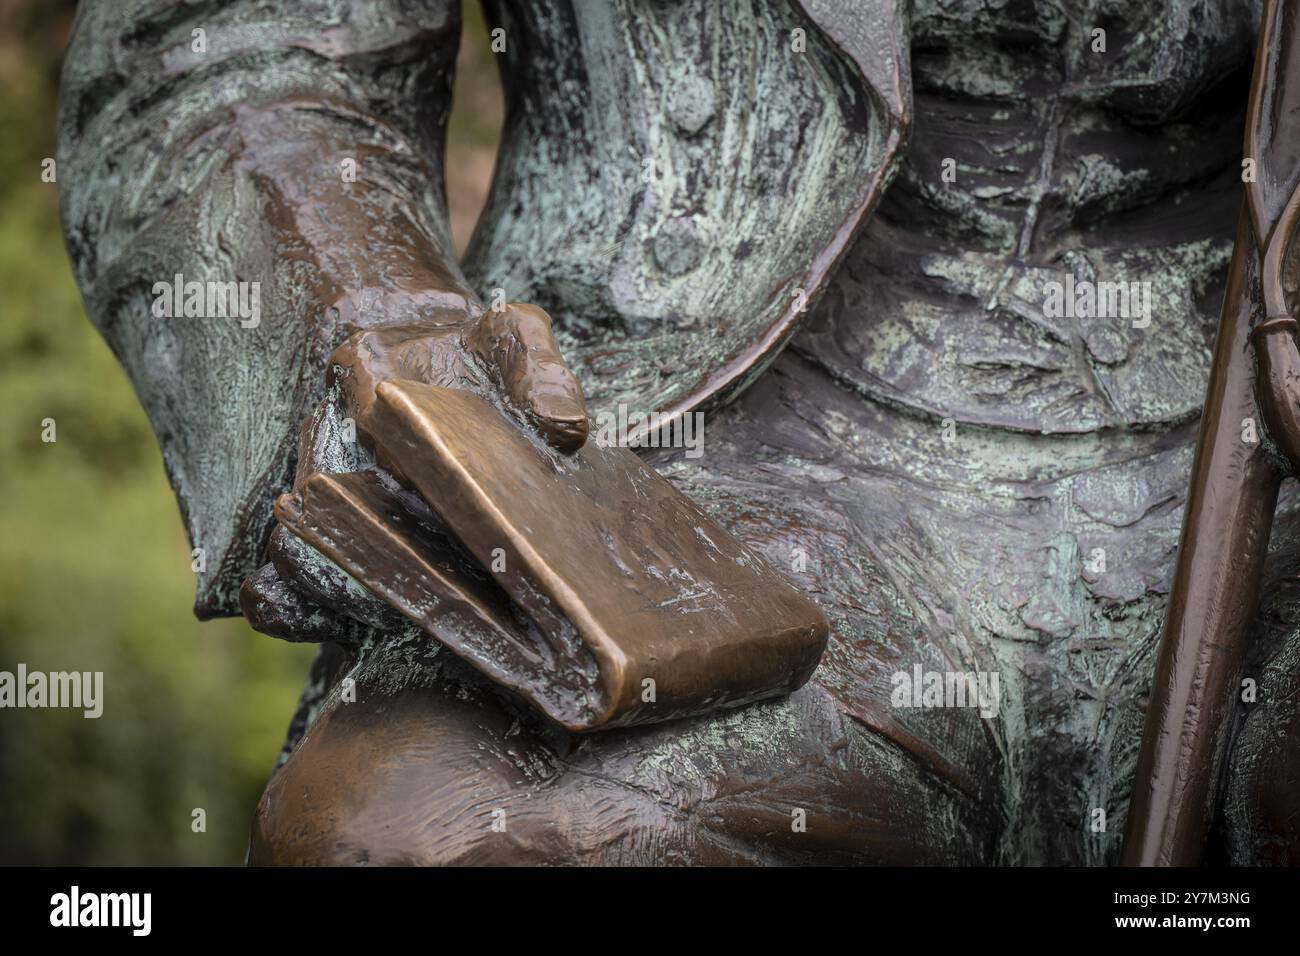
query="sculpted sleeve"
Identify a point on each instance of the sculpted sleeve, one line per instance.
(243, 185)
(677, 180)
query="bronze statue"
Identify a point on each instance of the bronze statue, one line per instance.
(943, 277)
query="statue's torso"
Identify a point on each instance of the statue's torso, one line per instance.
(967, 483)
(986, 485)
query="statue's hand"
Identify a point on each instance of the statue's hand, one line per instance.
(508, 354)
(514, 348)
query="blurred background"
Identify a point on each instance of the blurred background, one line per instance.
(94, 564)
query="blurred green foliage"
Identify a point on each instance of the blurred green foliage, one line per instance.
(94, 564)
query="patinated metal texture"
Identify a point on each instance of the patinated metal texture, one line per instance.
(963, 479)
(224, 164)
(968, 551)
(715, 165)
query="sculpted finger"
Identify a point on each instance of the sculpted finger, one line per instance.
(301, 591)
(519, 349)
(421, 352)
(276, 607)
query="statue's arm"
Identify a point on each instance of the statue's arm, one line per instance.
(217, 141)
(675, 186)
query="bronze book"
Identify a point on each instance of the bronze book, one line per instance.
(640, 607)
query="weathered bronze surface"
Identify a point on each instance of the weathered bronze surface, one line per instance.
(850, 238)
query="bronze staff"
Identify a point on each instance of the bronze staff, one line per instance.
(1235, 479)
